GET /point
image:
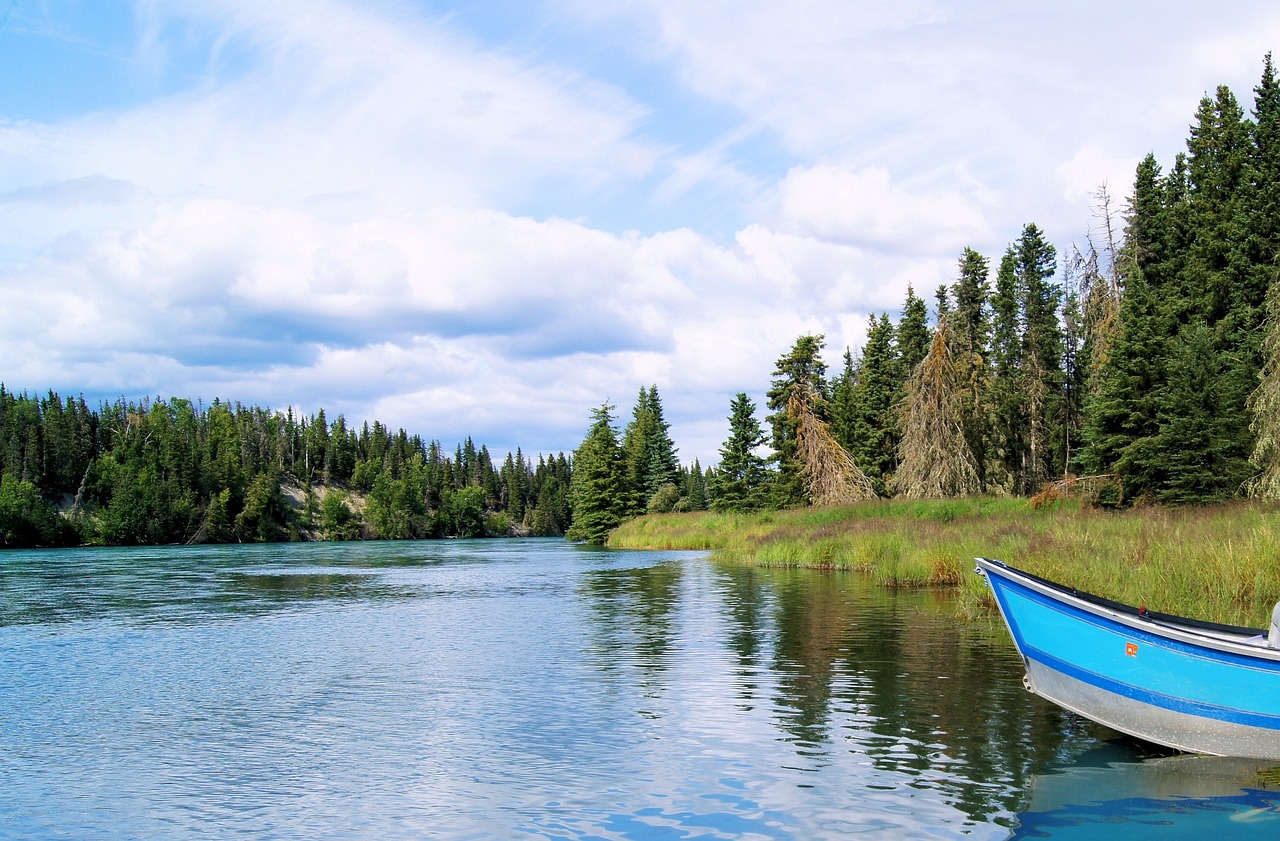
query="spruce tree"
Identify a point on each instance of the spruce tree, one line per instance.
(873, 440)
(1213, 275)
(649, 450)
(1008, 387)
(970, 326)
(843, 408)
(801, 369)
(828, 472)
(1027, 376)
(1264, 405)
(1262, 246)
(695, 488)
(912, 335)
(1042, 343)
(1098, 292)
(741, 479)
(1123, 415)
(600, 497)
(1199, 452)
(637, 439)
(664, 468)
(1068, 421)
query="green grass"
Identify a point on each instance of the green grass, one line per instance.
(1220, 563)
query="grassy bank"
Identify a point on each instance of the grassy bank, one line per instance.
(1220, 563)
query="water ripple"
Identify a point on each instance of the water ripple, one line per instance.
(497, 690)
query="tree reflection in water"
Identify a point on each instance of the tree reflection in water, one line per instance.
(895, 676)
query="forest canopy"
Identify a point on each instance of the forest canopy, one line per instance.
(178, 472)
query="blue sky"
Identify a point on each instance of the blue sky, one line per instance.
(486, 219)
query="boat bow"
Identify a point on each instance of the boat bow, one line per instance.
(1190, 685)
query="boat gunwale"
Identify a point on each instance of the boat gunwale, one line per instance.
(1232, 639)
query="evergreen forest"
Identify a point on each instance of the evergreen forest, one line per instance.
(1142, 367)
(164, 472)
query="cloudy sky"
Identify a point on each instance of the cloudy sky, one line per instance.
(487, 218)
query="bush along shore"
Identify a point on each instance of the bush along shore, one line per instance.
(1219, 563)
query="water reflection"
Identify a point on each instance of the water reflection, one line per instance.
(634, 612)
(894, 678)
(1110, 790)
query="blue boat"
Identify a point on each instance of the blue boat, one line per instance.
(1192, 686)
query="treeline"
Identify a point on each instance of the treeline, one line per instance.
(1143, 367)
(176, 472)
(617, 477)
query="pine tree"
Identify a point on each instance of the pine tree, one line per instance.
(970, 326)
(599, 491)
(741, 480)
(873, 440)
(912, 335)
(1008, 386)
(801, 369)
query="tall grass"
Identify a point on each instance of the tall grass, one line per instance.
(1219, 563)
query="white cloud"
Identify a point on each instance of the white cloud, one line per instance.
(1090, 168)
(866, 208)
(453, 321)
(361, 209)
(342, 100)
(957, 100)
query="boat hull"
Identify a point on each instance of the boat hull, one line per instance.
(1163, 681)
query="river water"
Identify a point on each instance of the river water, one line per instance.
(537, 689)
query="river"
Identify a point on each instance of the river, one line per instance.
(538, 689)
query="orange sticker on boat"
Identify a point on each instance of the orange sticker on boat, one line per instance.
(1131, 649)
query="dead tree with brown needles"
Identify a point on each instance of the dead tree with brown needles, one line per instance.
(1264, 403)
(934, 457)
(830, 475)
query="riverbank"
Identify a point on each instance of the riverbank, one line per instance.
(1220, 563)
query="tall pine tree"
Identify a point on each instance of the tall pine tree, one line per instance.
(801, 369)
(873, 441)
(741, 480)
(970, 324)
(599, 492)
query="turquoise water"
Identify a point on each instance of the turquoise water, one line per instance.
(536, 689)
